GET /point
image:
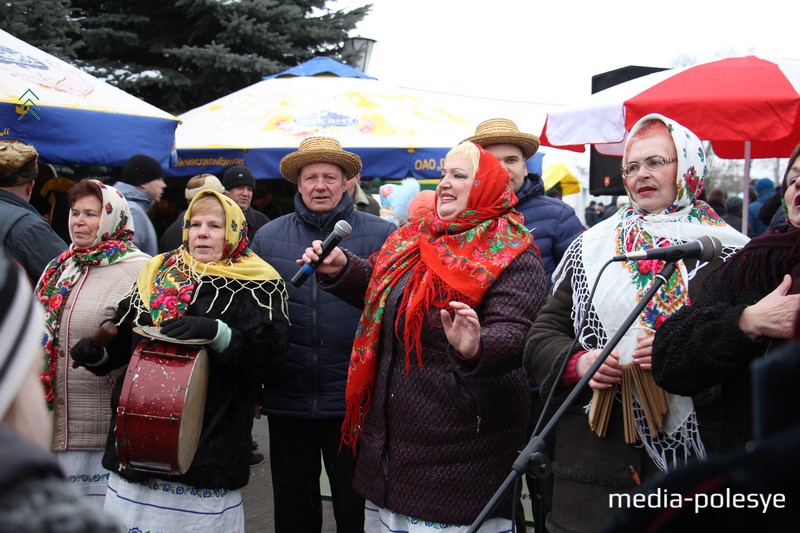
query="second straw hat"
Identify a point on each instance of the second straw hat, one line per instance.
(319, 150)
(504, 131)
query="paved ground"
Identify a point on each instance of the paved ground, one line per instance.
(258, 514)
(258, 493)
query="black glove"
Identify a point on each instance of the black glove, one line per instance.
(85, 353)
(190, 327)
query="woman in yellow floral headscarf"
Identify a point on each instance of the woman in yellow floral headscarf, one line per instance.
(212, 287)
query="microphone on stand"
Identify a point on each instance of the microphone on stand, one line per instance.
(341, 230)
(705, 249)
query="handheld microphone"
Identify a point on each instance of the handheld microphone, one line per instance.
(705, 249)
(341, 230)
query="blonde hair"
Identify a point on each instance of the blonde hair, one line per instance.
(208, 204)
(470, 150)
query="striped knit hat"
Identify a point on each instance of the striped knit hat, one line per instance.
(21, 328)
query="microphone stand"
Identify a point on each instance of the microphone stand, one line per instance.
(532, 459)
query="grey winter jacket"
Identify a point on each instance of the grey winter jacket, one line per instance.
(26, 236)
(144, 233)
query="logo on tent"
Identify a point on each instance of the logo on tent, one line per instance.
(25, 105)
(325, 119)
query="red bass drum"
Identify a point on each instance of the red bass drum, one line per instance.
(160, 413)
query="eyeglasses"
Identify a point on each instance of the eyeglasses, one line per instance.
(652, 163)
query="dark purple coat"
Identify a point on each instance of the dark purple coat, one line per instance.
(439, 441)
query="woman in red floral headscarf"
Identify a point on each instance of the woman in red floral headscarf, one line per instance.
(78, 290)
(436, 397)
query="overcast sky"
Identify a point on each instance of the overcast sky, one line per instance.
(544, 53)
(547, 51)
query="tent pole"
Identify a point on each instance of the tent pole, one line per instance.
(746, 188)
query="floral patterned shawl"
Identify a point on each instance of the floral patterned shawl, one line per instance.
(448, 260)
(169, 282)
(625, 283)
(113, 244)
(687, 219)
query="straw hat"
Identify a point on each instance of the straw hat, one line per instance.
(319, 150)
(504, 131)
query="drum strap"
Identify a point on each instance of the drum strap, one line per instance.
(217, 417)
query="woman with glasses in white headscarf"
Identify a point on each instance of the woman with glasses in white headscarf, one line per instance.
(663, 169)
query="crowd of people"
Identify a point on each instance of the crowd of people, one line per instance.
(412, 361)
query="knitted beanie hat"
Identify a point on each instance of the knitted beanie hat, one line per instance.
(238, 176)
(21, 328)
(140, 169)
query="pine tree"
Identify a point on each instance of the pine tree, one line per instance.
(45, 24)
(179, 54)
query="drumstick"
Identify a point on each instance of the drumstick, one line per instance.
(105, 333)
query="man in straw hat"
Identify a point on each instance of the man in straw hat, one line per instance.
(553, 223)
(27, 237)
(305, 402)
(554, 226)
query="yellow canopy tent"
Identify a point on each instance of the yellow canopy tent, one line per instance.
(560, 174)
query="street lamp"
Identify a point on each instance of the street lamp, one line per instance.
(362, 47)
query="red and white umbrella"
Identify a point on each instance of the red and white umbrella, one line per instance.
(747, 107)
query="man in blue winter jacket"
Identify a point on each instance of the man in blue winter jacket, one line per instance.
(554, 226)
(553, 223)
(304, 404)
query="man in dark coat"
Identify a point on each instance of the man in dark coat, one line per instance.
(305, 403)
(239, 185)
(26, 236)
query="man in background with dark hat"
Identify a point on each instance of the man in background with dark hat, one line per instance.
(304, 404)
(239, 186)
(27, 237)
(142, 184)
